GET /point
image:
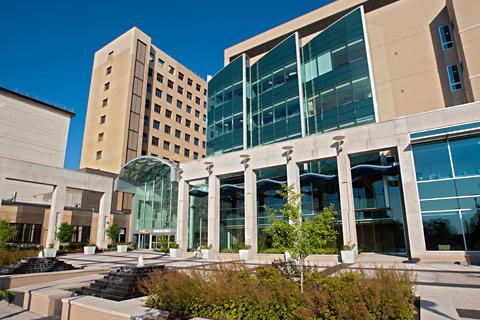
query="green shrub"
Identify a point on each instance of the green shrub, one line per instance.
(236, 293)
(12, 255)
(65, 232)
(7, 232)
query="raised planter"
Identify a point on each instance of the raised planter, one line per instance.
(245, 254)
(207, 253)
(50, 253)
(122, 248)
(348, 256)
(89, 249)
(175, 253)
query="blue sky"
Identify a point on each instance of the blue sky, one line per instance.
(47, 46)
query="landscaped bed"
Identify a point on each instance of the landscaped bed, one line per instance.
(268, 292)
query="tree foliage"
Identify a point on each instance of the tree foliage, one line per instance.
(113, 232)
(7, 232)
(65, 232)
(301, 237)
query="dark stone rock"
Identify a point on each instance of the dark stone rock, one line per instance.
(36, 265)
(118, 285)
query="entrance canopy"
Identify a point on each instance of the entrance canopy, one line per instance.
(144, 169)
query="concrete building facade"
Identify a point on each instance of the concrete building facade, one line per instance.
(369, 106)
(142, 102)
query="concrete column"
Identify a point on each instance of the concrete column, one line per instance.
(293, 175)
(103, 215)
(182, 215)
(213, 212)
(56, 213)
(3, 186)
(411, 201)
(346, 199)
(250, 208)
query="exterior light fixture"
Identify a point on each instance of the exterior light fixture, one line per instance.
(288, 151)
(338, 143)
(245, 158)
(209, 165)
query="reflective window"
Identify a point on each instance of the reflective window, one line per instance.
(232, 213)
(432, 161)
(269, 181)
(454, 77)
(197, 215)
(446, 37)
(465, 156)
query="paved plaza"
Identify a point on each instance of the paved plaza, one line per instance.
(448, 291)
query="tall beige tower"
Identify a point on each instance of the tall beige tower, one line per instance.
(142, 102)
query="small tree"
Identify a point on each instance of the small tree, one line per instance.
(298, 236)
(113, 232)
(65, 232)
(7, 232)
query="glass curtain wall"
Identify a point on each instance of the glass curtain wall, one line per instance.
(319, 188)
(448, 180)
(269, 182)
(378, 202)
(274, 101)
(336, 77)
(232, 213)
(225, 109)
(198, 215)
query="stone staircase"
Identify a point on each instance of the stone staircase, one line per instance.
(119, 285)
(36, 265)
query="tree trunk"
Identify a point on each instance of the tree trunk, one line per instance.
(301, 274)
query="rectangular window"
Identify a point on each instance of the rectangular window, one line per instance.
(102, 119)
(156, 124)
(203, 144)
(170, 84)
(189, 81)
(106, 86)
(104, 102)
(158, 92)
(197, 100)
(176, 149)
(181, 76)
(180, 90)
(100, 137)
(144, 138)
(169, 98)
(154, 154)
(98, 155)
(109, 70)
(187, 137)
(195, 155)
(161, 62)
(186, 152)
(178, 118)
(157, 108)
(146, 120)
(167, 129)
(178, 133)
(195, 141)
(197, 113)
(187, 123)
(168, 113)
(179, 104)
(454, 77)
(197, 127)
(149, 87)
(159, 78)
(150, 72)
(446, 37)
(147, 104)
(171, 70)
(166, 145)
(155, 141)
(189, 95)
(110, 55)
(189, 109)
(198, 87)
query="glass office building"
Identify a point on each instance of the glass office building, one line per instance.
(293, 90)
